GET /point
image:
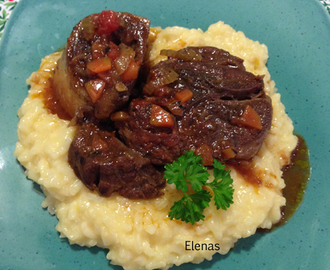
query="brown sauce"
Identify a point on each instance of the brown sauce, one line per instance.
(52, 103)
(247, 171)
(296, 176)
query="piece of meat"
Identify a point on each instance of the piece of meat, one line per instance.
(216, 73)
(226, 116)
(210, 123)
(160, 145)
(105, 164)
(101, 62)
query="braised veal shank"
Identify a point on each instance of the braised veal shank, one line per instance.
(226, 114)
(200, 99)
(101, 62)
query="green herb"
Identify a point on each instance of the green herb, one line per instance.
(188, 171)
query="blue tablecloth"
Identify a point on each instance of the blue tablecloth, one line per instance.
(7, 6)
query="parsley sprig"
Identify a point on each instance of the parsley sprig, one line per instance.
(187, 171)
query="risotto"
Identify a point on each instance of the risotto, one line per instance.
(138, 233)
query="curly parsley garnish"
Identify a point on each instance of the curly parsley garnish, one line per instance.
(187, 171)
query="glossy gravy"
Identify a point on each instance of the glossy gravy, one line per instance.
(296, 176)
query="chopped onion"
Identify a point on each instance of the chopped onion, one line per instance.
(186, 54)
(121, 87)
(87, 28)
(169, 76)
(162, 77)
(149, 88)
(127, 54)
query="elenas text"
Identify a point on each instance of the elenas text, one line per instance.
(191, 245)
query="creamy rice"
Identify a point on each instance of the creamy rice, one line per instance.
(139, 233)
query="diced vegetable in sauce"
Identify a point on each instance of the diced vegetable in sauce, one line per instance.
(160, 117)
